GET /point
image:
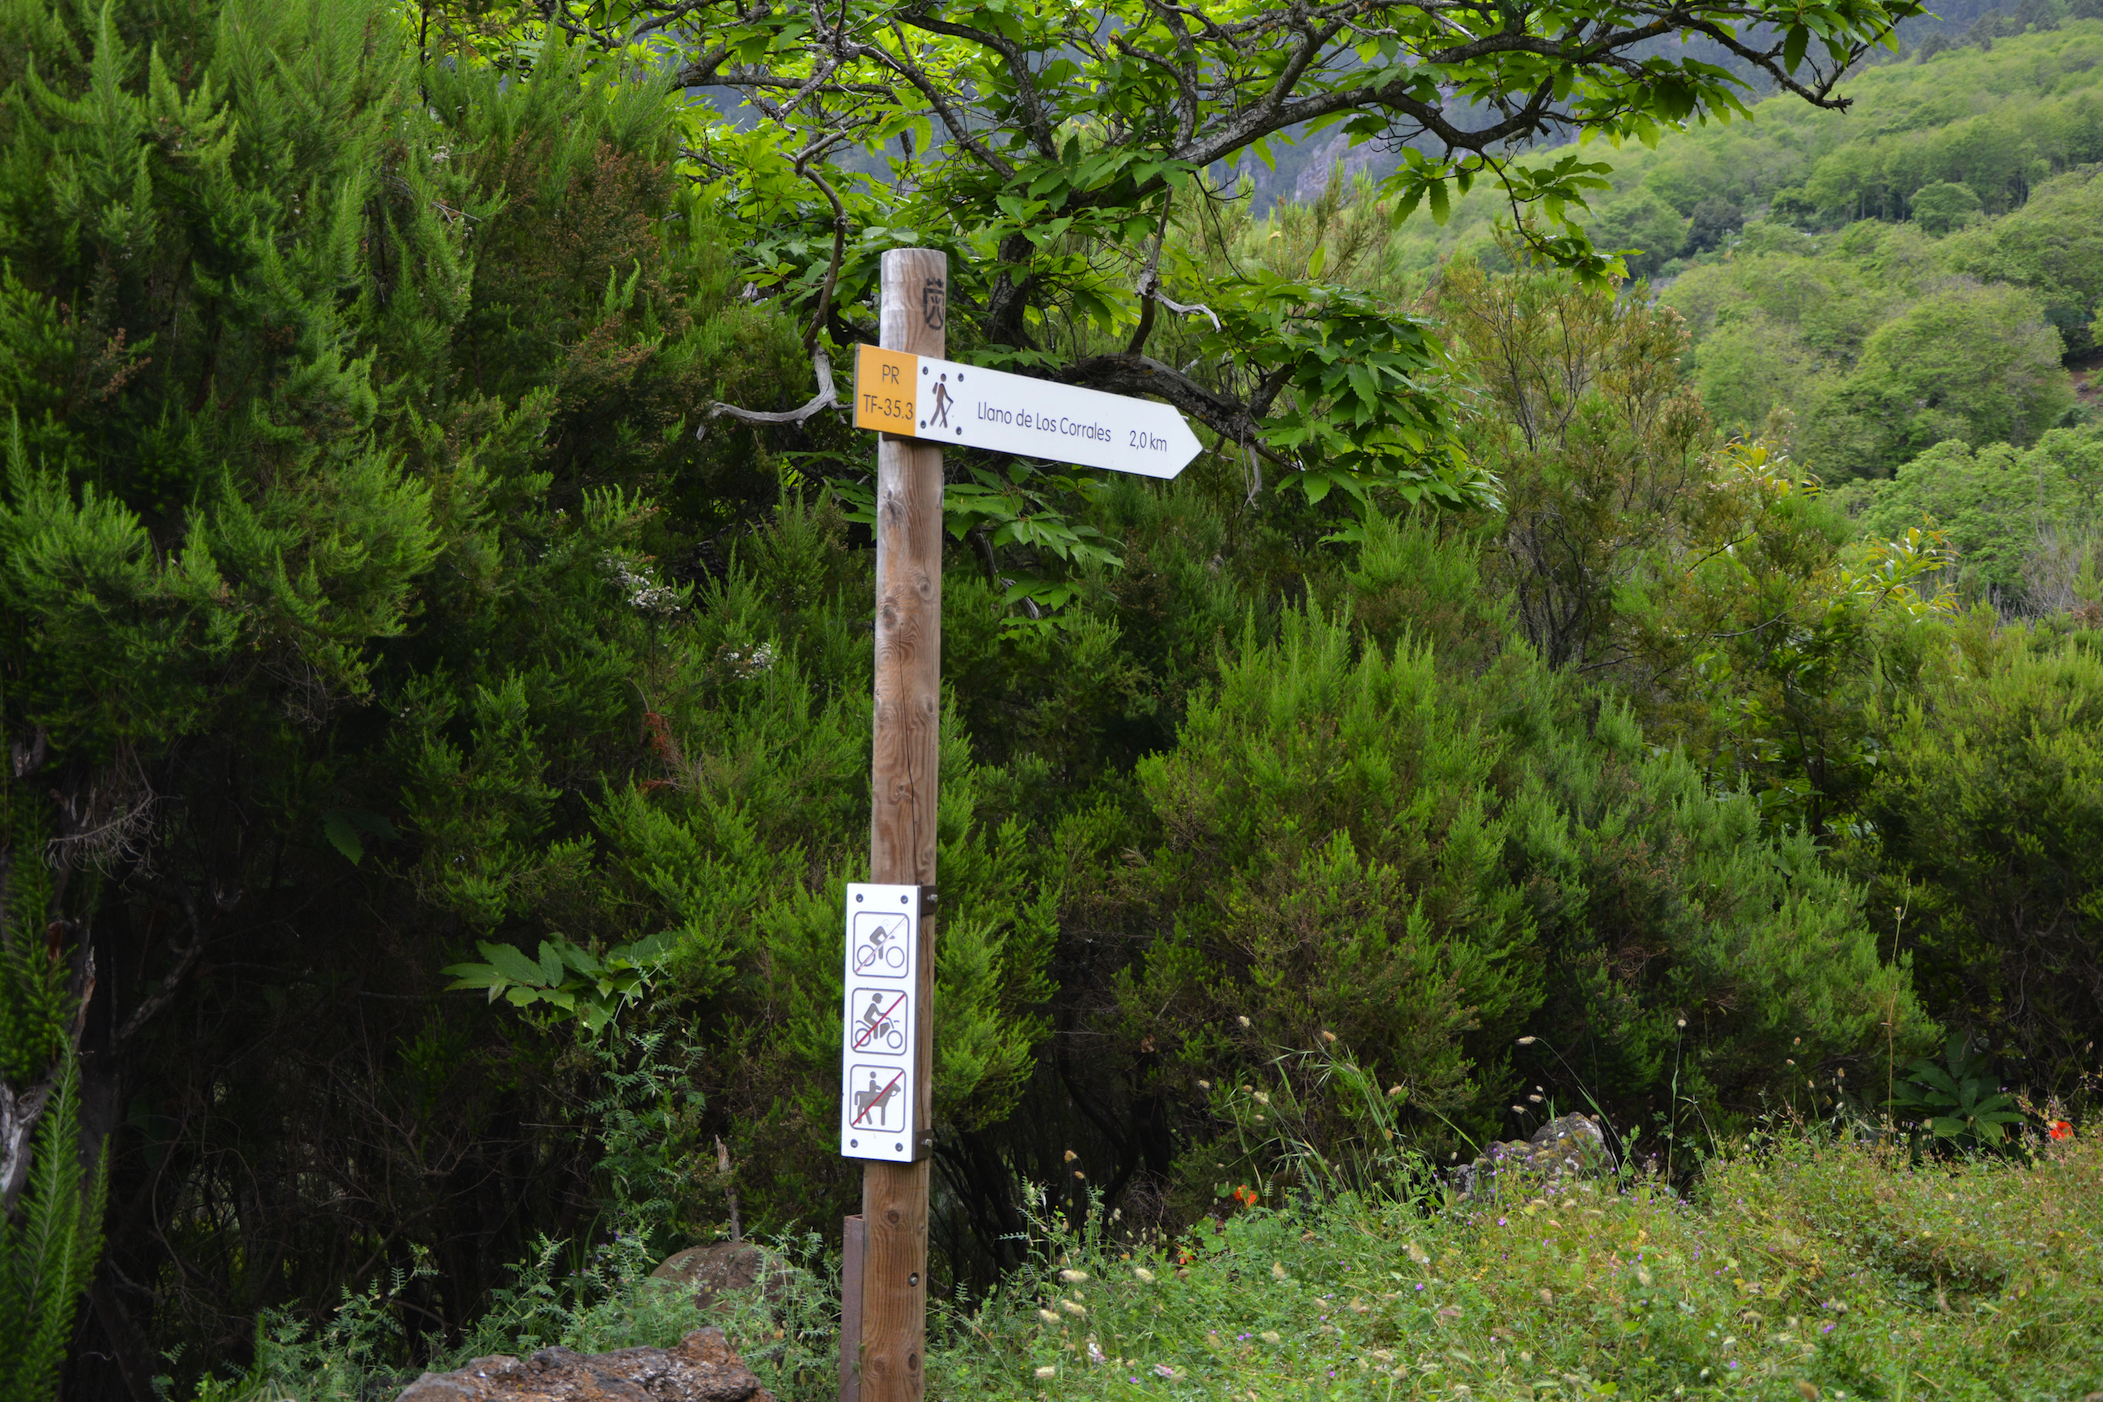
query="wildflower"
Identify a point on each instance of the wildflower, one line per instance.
(1393, 1091)
(1047, 1316)
(1073, 1309)
(1095, 1353)
(1071, 1156)
(1143, 1275)
(1270, 1336)
(1071, 1277)
(1245, 1195)
(1045, 1374)
(1518, 1109)
(1533, 1099)
(1808, 1389)
(1162, 1370)
(1643, 1275)
(1528, 1041)
(1205, 1085)
(1682, 1023)
(1263, 1097)
(1277, 1270)
(1327, 1035)
(2060, 1129)
(1418, 1254)
(1244, 1022)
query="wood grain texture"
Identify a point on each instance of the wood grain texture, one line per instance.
(903, 795)
(851, 1241)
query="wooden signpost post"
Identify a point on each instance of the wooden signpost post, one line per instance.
(917, 400)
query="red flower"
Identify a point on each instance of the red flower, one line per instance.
(1245, 1195)
(2060, 1129)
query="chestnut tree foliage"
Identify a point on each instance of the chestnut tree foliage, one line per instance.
(1068, 155)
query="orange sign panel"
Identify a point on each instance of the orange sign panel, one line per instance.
(886, 389)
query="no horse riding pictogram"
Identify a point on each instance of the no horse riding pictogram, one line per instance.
(879, 1103)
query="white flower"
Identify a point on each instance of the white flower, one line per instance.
(1263, 1097)
(1143, 1275)
(1071, 1277)
(1244, 1022)
(1047, 1316)
(1162, 1370)
(1095, 1353)
(1045, 1374)
(643, 591)
(1071, 1308)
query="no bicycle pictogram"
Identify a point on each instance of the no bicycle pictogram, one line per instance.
(880, 944)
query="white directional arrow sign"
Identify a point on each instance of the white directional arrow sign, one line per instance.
(944, 402)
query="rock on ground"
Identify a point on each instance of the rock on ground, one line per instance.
(1569, 1146)
(716, 1271)
(702, 1369)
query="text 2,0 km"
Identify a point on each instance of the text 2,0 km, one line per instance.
(1148, 441)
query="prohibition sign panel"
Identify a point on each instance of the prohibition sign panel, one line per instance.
(879, 1022)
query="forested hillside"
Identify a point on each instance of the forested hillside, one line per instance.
(438, 709)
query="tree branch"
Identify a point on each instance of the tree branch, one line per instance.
(827, 397)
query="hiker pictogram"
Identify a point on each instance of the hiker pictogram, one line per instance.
(878, 1098)
(943, 399)
(880, 1024)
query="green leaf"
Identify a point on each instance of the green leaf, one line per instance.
(343, 836)
(510, 962)
(1793, 46)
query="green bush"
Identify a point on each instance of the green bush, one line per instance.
(1427, 866)
(1983, 840)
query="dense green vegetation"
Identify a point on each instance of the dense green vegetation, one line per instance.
(1518, 692)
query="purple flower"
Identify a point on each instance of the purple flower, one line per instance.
(1826, 1328)
(1500, 1221)
(1420, 1286)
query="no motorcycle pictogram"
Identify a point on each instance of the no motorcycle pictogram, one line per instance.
(880, 1026)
